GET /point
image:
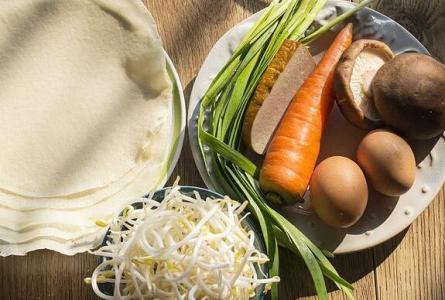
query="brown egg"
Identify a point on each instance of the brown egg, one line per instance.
(388, 162)
(339, 192)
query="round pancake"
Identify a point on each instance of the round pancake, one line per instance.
(85, 108)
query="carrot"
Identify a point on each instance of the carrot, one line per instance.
(293, 151)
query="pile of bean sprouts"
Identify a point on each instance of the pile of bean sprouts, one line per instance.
(181, 248)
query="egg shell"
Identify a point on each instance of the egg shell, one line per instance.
(388, 162)
(339, 192)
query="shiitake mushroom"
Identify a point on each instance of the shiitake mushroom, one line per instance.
(409, 95)
(354, 74)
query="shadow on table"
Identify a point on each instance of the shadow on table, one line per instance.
(253, 6)
(352, 267)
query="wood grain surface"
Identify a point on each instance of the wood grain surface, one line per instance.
(409, 266)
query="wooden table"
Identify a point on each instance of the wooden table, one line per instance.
(409, 266)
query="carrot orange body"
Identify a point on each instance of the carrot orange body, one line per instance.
(293, 151)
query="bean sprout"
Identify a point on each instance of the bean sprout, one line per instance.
(181, 248)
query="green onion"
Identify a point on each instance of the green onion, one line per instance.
(219, 128)
(313, 36)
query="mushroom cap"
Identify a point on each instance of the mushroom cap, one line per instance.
(409, 94)
(354, 74)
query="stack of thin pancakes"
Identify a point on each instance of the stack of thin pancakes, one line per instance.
(85, 129)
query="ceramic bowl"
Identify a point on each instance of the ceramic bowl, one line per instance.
(248, 222)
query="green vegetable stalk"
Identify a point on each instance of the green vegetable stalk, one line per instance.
(220, 121)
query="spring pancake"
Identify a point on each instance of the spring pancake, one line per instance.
(85, 116)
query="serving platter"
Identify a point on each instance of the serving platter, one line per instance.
(178, 121)
(385, 216)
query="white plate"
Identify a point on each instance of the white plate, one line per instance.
(178, 120)
(384, 217)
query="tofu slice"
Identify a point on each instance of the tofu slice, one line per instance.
(269, 115)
